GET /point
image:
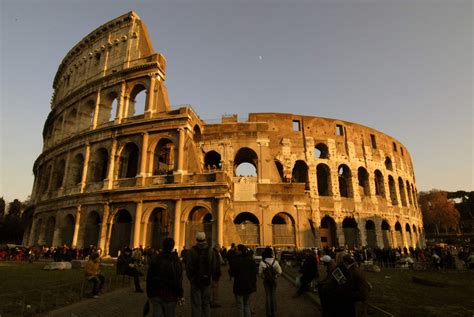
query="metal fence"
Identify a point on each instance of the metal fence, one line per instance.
(36, 301)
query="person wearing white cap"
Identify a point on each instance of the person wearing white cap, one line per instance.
(200, 268)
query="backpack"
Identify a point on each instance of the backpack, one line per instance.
(269, 275)
(204, 271)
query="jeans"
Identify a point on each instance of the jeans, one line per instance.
(243, 305)
(270, 301)
(200, 301)
(98, 281)
(162, 308)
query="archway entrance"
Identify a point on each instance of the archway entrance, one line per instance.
(398, 236)
(92, 229)
(121, 231)
(200, 219)
(328, 232)
(370, 234)
(67, 230)
(49, 231)
(158, 228)
(386, 234)
(408, 235)
(351, 234)
(248, 228)
(283, 229)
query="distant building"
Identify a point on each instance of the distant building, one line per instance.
(115, 172)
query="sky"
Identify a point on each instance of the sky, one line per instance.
(402, 67)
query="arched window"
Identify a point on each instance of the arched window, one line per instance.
(69, 126)
(197, 133)
(212, 161)
(279, 167)
(388, 164)
(401, 189)
(323, 176)
(58, 175)
(75, 171)
(86, 115)
(363, 179)
(410, 200)
(129, 161)
(245, 162)
(345, 181)
(300, 173)
(99, 165)
(137, 101)
(393, 191)
(163, 158)
(321, 151)
(379, 184)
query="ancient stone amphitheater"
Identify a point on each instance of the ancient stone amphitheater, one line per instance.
(121, 167)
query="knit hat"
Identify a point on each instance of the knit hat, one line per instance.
(201, 236)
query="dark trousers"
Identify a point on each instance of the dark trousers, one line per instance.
(98, 281)
(270, 301)
(132, 271)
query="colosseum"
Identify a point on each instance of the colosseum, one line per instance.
(120, 166)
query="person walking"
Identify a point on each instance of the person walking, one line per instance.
(244, 271)
(309, 272)
(126, 266)
(200, 267)
(93, 274)
(215, 277)
(269, 269)
(164, 281)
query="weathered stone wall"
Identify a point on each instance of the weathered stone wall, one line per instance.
(116, 173)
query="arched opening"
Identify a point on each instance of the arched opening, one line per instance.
(398, 235)
(121, 232)
(283, 228)
(415, 197)
(401, 189)
(75, 171)
(37, 231)
(416, 239)
(393, 192)
(323, 176)
(49, 231)
(44, 180)
(69, 126)
(212, 161)
(300, 173)
(92, 229)
(58, 175)
(379, 184)
(163, 158)
(408, 235)
(345, 181)
(388, 164)
(137, 101)
(386, 234)
(328, 232)
(199, 220)
(197, 133)
(129, 161)
(410, 199)
(86, 115)
(111, 108)
(158, 228)
(321, 151)
(99, 165)
(67, 230)
(246, 163)
(351, 232)
(370, 234)
(363, 180)
(248, 228)
(279, 168)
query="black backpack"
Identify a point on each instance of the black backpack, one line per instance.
(204, 271)
(269, 274)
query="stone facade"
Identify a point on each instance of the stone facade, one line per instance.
(119, 167)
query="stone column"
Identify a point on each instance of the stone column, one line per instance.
(122, 106)
(103, 229)
(340, 234)
(379, 233)
(404, 238)
(181, 132)
(355, 185)
(136, 226)
(150, 104)
(96, 110)
(220, 221)
(76, 227)
(109, 181)
(177, 222)
(395, 242)
(362, 233)
(143, 173)
(85, 168)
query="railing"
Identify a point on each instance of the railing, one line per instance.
(37, 301)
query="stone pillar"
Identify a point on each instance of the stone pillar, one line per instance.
(340, 234)
(122, 106)
(362, 233)
(85, 168)
(177, 223)
(66, 172)
(109, 182)
(96, 110)
(150, 104)
(355, 185)
(143, 173)
(404, 238)
(103, 229)
(335, 182)
(379, 233)
(220, 221)
(136, 226)
(181, 132)
(393, 235)
(76, 227)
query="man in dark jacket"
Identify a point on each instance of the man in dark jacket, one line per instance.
(164, 281)
(126, 266)
(309, 271)
(200, 268)
(244, 271)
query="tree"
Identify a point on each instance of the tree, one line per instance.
(439, 213)
(2, 207)
(12, 225)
